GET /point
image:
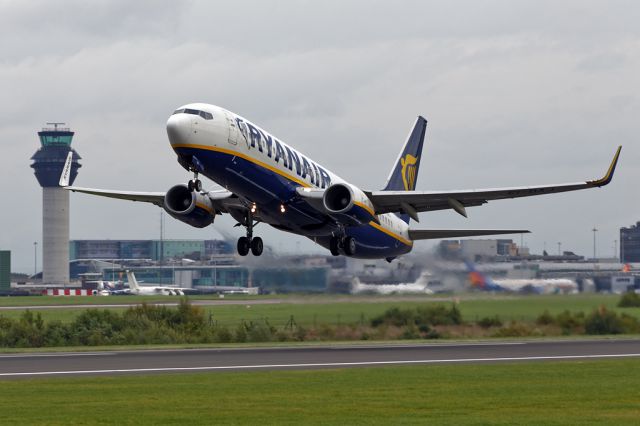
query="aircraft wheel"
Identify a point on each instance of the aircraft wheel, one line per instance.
(334, 246)
(190, 186)
(243, 246)
(350, 246)
(257, 246)
(198, 185)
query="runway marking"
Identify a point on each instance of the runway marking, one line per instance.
(59, 355)
(327, 364)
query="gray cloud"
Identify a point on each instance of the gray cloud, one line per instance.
(515, 93)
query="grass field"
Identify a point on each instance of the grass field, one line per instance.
(312, 310)
(593, 392)
(98, 300)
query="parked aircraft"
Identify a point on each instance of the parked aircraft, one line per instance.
(481, 281)
(135, 288)
(420, 286)
(268, 181)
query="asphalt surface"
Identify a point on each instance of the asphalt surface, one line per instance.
(341, 356)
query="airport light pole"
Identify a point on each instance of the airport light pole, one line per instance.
(559, 248)
(35, 258)
(594, 242)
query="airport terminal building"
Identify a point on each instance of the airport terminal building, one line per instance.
(630, 244)
(5, 270)
(155, 250)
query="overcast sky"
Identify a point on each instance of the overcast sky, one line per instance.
(516, 93)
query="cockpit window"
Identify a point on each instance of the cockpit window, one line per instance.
(203, 114)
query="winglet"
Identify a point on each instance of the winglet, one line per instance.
(66, 171)
(609, 175)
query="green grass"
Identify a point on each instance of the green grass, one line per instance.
(313, 310)
(526, 308)
(555, 393)
(99, 300)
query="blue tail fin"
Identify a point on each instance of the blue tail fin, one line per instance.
(479, 280)
(404, 174)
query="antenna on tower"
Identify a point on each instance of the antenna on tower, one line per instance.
(55, 125)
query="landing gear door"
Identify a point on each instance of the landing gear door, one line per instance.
(233, 129)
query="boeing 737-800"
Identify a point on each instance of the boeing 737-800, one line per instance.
(266, 180)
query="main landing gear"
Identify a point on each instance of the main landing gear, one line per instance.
(347, 244)
(250, 242)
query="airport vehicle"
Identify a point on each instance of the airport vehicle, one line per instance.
(482, 282)
(136, 288)
(265, 180)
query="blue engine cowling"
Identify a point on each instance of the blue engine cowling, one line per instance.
(190, 207)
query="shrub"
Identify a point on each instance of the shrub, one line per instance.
(426, 315)
(438, 315)
(487, 322)
(394, 316)
(260, 331)
(223, 335)
(602, 321)
(570, 322)
(514, 329)
(630, 299)
(545, 318)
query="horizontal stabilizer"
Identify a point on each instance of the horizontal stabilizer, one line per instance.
(434, 234)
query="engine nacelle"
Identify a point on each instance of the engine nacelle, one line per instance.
(348, 204)
(189, 206)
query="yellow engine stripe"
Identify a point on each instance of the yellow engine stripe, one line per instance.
(204, 207)
(290, 177)
(246, 157)
(391, 234)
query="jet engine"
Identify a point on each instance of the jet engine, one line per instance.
(190, 207)
(348, 204)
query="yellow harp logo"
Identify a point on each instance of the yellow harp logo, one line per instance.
(409, 165)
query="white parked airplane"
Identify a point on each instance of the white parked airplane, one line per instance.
(420, 286)
(268, 181)
(482, 282)
(135, 288)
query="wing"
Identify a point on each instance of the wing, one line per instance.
(222, 200)
(434, 234)
(156, 198)
(411, 202)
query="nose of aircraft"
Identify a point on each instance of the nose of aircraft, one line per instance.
(179, 128)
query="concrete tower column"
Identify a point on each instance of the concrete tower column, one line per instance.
(55, 236)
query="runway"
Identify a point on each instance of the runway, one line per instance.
(339, 356)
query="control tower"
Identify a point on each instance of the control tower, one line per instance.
(48, 163)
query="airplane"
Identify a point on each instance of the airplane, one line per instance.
(264, 180)
(420, 286)
(135, 288)
(520, 285)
